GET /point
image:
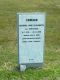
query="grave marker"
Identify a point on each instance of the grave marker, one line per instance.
(31, 27)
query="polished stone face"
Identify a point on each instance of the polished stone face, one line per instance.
(31, 37)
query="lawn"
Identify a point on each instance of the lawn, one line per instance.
(8, 40)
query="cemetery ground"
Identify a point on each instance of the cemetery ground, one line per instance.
(8, 40)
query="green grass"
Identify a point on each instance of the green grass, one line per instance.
(8, 40)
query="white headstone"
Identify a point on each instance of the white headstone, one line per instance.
(31, 27)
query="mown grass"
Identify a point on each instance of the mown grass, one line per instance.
(8, 40)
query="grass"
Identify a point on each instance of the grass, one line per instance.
(8, 40)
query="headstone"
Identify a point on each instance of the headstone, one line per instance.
(31, 27)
